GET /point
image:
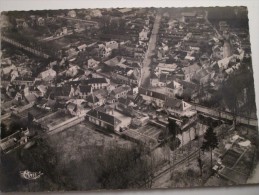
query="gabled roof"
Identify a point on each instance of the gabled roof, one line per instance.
(173, 103)
(8, 69)
(82, 46)
(104, 117)
(223, 63)
(112, 62)
(120, 89)
(31, 97)
(167, 66)
(171, 85)
(153, 94)
(187, 85)
(72, 106)
(24, 79)
(59, 91)
(92, 98)
(85, 88)
(48, 73)
(51, 102)
(124, 101)
(92, 61)
(93, 81)
(191, 69)
(200, 74)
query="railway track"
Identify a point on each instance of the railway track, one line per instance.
(190, 157)
(167, 168)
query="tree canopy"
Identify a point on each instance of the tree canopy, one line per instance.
(210, 140)
(173, 128)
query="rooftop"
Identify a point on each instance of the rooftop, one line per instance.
(121, 89)
(191, 69)
(104, 117)
(173, 103)
(153, 94)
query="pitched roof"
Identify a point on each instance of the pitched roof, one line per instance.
(167, 66)
(223, 63)
(112, 62)
(92, 98)
(85, 88)
(121, 89)
(8, 69)
(31, 97)
(59, 91)
(93, 81)
(104, 117)
(24, 78)
(51, 102)
(170, 85)
(48, 73)
(187, 85)
(200, 74)
(72, 106)
(191, 69)
(153, 94)
(124, 101)
(73, 83)
(101, 93)
(173, 103)
(82, 46)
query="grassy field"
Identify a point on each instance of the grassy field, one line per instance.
(77, 142)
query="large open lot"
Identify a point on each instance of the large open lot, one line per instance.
(147, 134)
(77, 141)
(150, 131)
(57, 119)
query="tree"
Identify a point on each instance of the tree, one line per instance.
(3, 131)
(17, 126)
(30, 119)
(119, 168)
(231, 89)
(200, 165)
(173, 128)
(210, 142)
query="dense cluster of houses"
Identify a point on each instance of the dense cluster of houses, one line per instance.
(191, 52)
(98, 79)
(93, 78)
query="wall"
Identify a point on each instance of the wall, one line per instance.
(66, 124)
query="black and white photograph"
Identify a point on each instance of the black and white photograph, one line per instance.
(127, 98)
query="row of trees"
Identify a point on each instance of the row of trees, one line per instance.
(210, 140)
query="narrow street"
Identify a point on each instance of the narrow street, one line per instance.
(145, 72)
(208, 22)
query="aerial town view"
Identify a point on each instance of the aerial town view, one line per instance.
(127, 98)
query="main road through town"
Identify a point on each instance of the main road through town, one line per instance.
(145, 72)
